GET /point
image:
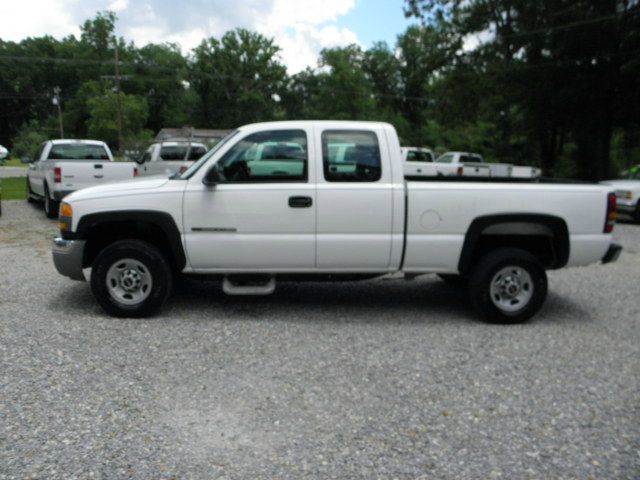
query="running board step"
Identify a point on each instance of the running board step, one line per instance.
(249, 284)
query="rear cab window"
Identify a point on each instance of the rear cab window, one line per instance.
(351, 156)
(77, 151)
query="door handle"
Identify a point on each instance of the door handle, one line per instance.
(300, 202)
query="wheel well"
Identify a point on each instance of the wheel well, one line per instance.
(102, 235)
(545, 237)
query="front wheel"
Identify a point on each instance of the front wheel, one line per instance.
(131, 278)
(508, 285)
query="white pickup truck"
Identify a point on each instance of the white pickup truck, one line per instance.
(64, 166)
(418, 164)
(170, 157)
(330, 203)
(628, 193)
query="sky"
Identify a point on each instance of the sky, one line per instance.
(300, 27)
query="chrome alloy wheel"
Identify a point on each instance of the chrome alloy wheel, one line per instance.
(511, 289)
(129, 281)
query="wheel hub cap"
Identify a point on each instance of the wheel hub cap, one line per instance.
(129, 281)
(511, 289)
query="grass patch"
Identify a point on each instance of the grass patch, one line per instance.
(13, 188)
(14, 162)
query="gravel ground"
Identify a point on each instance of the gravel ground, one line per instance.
(380, 379)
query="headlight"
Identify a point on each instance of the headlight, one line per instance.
(65, 217)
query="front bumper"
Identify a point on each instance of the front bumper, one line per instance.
(67, 257)
(612, 254)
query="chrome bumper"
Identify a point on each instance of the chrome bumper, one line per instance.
(67, 257)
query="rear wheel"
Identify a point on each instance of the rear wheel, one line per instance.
(50, 206)
(508, 285)
(131, 278)
(636, 214)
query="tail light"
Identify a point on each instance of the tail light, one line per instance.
(612, 213)
(460, 171)
(135, 171)
(57, 175)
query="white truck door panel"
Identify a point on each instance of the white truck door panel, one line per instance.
(249, 227)
(253, 224)
(355, 210)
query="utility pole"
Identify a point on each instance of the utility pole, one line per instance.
(56, 101)
(118, 101)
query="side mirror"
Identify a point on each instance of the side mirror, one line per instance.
(139, 160)
(212, 177)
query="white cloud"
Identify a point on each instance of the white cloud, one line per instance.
(301, 49)
(300, 27)
(30, 18)
(118, 5)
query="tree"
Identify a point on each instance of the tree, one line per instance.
(237, 78)
(103, 114)
(558, 67)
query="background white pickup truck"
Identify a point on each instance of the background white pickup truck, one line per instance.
(329, 201)
(628, 194)
(170, 157)
(465, 164)
(64, 166)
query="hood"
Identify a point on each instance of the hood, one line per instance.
(631, 184)
(117, 188)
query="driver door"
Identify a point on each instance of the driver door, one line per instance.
(261, 214)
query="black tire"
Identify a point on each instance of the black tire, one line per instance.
(499, 307)
(636, 214)
(156, 265)
(454, 280)
(50, 206)
(30, 196)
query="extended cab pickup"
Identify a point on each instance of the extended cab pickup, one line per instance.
(63, 166)
(329, 201)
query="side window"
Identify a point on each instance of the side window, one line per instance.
(445, 158)
(273, 156)
(351, 156)
(418, 156)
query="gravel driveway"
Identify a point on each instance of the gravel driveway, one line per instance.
(380, 379)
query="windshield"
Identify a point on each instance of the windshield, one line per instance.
(196, 166)
(78, 151)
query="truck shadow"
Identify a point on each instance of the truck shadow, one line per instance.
(426, 300)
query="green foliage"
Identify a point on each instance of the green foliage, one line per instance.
(103, 115)
(236, 78)
(555, 83)
(27, 140)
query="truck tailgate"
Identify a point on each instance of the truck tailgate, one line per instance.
(77, 174)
